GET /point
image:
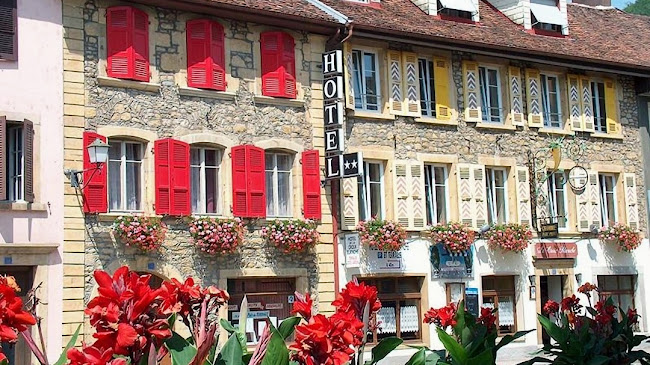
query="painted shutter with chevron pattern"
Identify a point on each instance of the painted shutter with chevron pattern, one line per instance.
(587, 105)
(348, 66)
(411, 85)
(349, 204)
(418, 205)
(395, 81)
(401, 192)
(534, 98)
(583, 207)
(523, 196)
(593, 189)
(631, 207)
(465, 195)
(472, 95)
(517, 103)
(575, 102)
(480, 201)
(441, 70)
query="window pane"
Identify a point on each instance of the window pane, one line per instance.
(456, 292)
(114, 185)
(441, 204)
(429, 194)
(133, 152)
(627, 301)
(501, 205)
(370, 76)
(357, 79)
(361, 197)
(284, 162)
(196, 181)
(211, 158)
(115, 150)
(270, 202)
(387, 319)
(195, 156)
(506, 313)
(374, 172)
(211, 189)
(284, 192)
(269, 160)
(409, 322)
(611, 282)
(609, 183)
(133, 185)
(499, 178)
(375, 201)
(625, 282)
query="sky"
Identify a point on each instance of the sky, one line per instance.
(620, 3)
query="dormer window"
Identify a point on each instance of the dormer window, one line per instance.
(461, 9)
(546, 16)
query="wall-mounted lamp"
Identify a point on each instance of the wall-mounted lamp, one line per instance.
(98, 155)
(531, 279)
(579, 278)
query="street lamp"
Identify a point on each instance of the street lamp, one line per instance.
(98, 155)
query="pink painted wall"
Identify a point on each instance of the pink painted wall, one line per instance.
(32, 88)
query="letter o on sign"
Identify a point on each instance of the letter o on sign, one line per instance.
(330, 89)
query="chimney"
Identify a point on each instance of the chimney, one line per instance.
(607, 3)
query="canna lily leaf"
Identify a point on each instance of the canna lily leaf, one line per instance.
(383, 348)
(418, 358)
(277, 352)
(64, 355)
(227, 326)
(181, 351)
(456, 351)
(287, 326)
(231, 353)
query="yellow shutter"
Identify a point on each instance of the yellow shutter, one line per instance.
(411, 85)
(348, 67)
(587, 105)
(418, 205)
(401, 190)
(613, 125)
(523, 195)
(631, 207)
(575, 105)
(535, 118)
(472, 94)
(441, 68)
(516, 101)
(395, 100)
(349, 204)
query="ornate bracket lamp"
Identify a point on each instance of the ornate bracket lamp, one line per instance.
(98, 155)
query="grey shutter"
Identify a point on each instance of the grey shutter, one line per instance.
(8, 31)
(3, 158)
(28, 157)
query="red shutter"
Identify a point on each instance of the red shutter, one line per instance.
(289, 66)
(256, 182)
(119, 41)
(140, 45)
(94, 180)
(272, 75)
(180, 178)
(217, 53)
(163, 176)
(198, 67)
(239, 183)
(311, 184)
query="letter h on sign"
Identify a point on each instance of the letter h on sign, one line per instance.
(333, 62)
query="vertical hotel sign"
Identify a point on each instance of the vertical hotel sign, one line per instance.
(337, 164)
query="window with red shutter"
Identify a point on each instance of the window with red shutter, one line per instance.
(172, 170)
(163, 176)
(205, 55)
(311, 184)
(278, 64)
(94, 179)
(256, 182)
(239, 183)
(127, 43)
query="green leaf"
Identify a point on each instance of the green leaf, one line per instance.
(384, 348)
(64, 356)
(509, 338)
(6, 362)
(243, 316)
(434, 357)
(277, 352)
(599, 360)
(556, 333)
(180, 350)
(227, 326)
(456, 351)
(536, 360)
(418, 358)
(231, 353)
(287, 326)
(485, 357)
(247, 358)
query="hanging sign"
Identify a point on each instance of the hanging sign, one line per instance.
(549, 230)
(471, 300)
(556, 250)
(352, 247)
(446, 264)
(342, 166)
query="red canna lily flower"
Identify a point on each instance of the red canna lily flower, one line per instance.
(488, 319)
(303, 305)
(91, 355)
(327, 341)
(442, 317)
(354, 297)
(13, 318)
(551, 307)
(571, 304)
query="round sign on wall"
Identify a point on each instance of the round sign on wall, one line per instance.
(578, 177)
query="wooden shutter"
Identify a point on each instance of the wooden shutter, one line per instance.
(631, 202)
(583, 208)
(480, 201)
(613, 124)
(140, 45)
(278, 65)
(28, 159)
(472, 93)
(535, 117)
(256, 176)
(239, 183)
(395, 102)
(218, 56)
(311, 197)
(516, 100)
(8, 30)
(162, 171)
(441, 70)
(587, 105)
(95, 191)
(465, 194)
(348, 67)
(523, 195)
(349, 204)
(411, 84)
(180, 178)
(401, 192)
(418, 204)
(593, 188)
(119, 41)
(3, 157)
(288, 63)
(575, 102)
(198, 60)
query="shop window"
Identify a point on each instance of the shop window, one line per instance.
(608, 198)
(125, 175)
(436, 190)
(618, 287)
(551, 101)
(557, 198)
(278, 184)
(401, 313)
(455, 292)
(427, 88)
(371, 191)
(499, 293)
(490, 94)
(365, 77)
(497, 195)
(268, 298)
(205, 165)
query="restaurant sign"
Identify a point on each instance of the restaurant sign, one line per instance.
(556, 250)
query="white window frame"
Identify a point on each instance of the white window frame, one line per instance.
(356, 73)
(15, 158)
(552, 199)
(490, 178)
(275, 192)
(485, 109)
(604, 212)
(546, 99)
(123, 183)
(432, 206)
(427, 87)
(365, 203)
(202, 198)
(600, 121)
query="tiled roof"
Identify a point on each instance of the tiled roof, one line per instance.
(601, 36)
(298, 8)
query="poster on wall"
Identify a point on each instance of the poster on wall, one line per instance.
(386, 260)
(471, 300)
(352, 246)
(449, 265)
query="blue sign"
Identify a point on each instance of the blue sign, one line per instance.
(449, 265)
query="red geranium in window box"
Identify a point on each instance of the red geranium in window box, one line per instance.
(382, 234)
(146, 233)
(217, 236)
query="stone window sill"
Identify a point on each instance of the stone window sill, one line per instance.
(371, 115)
(607, 136)
(503, 127)
(111, 216)
(22, 206)
(267, 100)
(128, 84)
(205, 93)
(556, 131)
(430, 120)
(27, 248)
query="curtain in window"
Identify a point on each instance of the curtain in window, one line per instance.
(409, 319)
(506, 311)
(387, 320)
